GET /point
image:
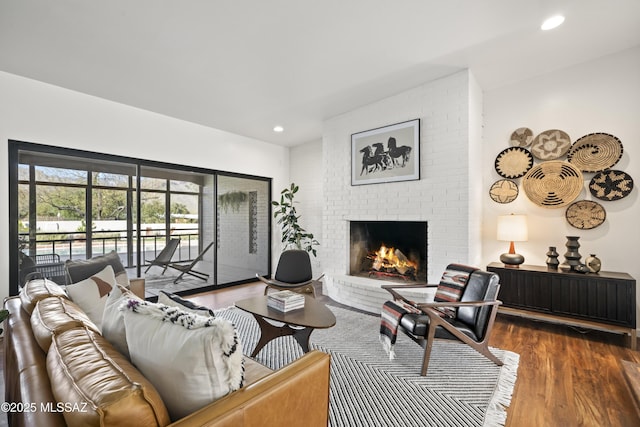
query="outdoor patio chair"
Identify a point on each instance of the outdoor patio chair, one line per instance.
(187, 268)
(464, 309)
(164, 257)
(42, 266)
(292, 273)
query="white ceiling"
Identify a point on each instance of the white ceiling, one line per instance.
(246, 65)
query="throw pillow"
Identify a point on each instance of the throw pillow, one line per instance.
(192, 360)
(78, 270)
(113, 319)
(173, 300)
(91, 294)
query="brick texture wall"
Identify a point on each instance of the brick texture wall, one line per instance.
(444, 196)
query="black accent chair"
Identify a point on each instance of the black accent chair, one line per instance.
(472, 322)
(292, 273)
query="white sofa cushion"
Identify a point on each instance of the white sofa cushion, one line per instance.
(192, 360)
(91, 293)
(113, 329)
(173, 300)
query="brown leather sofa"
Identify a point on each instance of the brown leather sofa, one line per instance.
(93, 384)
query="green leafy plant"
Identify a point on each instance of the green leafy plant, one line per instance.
(233, 199)
(293, 236)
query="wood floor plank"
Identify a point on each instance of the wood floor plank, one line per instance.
(567, 377)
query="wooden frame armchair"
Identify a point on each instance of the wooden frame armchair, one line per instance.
(469, 320)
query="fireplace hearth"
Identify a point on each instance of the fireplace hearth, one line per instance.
(388, 250)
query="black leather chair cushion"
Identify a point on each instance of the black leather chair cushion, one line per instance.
(472, 321)
(482, 286)
(418, 324)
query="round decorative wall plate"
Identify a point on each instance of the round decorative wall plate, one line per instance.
(553, 184)
(513, 162)
(595, 152)
(550, 144)
(585, 214)
(521, 137)
(611, 185)
(504, 191)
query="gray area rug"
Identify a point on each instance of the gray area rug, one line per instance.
(462, 387)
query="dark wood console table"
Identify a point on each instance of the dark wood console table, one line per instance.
(605, 300)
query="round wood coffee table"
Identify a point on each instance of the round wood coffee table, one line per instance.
(299, 323)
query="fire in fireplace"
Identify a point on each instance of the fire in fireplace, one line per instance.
(389, 250)
(391, 262)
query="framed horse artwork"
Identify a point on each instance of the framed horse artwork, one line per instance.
(386, 154)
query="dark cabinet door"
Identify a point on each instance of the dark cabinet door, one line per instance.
(531, 291)
(594, 298)
(607, 297)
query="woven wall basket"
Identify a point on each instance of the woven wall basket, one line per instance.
(550, 145)
(503, 191)
(595, 152)
(611, 185)
(513, 162)
(585, 214)
(521, 137)
(553, 184)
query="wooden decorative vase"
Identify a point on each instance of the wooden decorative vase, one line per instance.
(572, 256)
(552, 258)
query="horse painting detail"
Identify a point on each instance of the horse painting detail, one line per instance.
(373, 161)
(380, 160)
(386, 154)
(398, 153)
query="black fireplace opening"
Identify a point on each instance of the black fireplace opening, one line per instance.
(388, 250)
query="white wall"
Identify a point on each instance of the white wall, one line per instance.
(306, 171)
(599, 96)
(441, 196)
(36, 112)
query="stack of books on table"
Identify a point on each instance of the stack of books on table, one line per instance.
(285, 301)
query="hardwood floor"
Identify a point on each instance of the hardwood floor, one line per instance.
(566, 377)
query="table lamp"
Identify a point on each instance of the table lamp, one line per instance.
(512, 228)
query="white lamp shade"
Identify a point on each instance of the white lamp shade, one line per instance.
(513, 228)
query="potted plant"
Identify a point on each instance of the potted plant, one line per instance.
(293, 236)
(233, 199)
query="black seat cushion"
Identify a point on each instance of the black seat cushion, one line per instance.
(418, 325)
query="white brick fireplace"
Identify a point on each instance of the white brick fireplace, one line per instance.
(447, 195)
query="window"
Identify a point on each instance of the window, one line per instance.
(75, 205)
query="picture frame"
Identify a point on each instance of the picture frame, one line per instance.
(386, 154)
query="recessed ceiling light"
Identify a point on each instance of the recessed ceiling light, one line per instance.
(278, 129)
(552, 22)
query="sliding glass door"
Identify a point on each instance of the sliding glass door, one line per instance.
(68, 204)
(242, 219)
